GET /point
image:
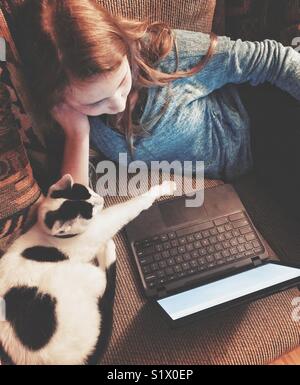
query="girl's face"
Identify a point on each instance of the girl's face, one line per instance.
(106, 94)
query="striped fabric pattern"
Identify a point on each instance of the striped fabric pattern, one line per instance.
(18, 189)
(196, 15)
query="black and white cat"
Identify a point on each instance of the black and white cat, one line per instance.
(58, 279)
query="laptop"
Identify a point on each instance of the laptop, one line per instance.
(195, 261)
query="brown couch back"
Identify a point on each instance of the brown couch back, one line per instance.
(195, 15)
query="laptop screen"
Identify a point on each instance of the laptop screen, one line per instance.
(227, 289)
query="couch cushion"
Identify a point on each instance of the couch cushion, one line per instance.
(183, 14)
(18, 191)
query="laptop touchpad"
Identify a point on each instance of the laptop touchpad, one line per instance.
(175, 212)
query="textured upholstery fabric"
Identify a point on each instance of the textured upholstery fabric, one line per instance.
(196, 15)
(18, 189)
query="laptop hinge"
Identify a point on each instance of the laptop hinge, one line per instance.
(256, 261)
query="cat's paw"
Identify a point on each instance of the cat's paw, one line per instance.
(166, 188)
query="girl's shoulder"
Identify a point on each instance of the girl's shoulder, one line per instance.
(191, 47)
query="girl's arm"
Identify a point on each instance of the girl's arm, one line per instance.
(76, 158)
(266, 61)
(76, 127)
(235, 61)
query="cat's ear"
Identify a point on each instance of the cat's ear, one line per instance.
(65, 183)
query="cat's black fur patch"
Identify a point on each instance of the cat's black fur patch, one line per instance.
(106, 304)
(75, 193)
(44, 254)
(69, 210)
(32, 316)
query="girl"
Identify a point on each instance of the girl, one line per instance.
(149, 91)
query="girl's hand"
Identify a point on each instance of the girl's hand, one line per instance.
(74, 123)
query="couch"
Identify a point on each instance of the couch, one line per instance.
(256, 333)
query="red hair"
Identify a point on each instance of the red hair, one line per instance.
(80, 39)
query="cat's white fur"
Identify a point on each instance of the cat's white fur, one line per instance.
(76, 284)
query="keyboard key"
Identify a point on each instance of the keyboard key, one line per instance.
(221, 221)
(241, 239)
(162, 264)
(181, 249)
(226, 244)
(179, 259)
(194, 229)
(154, 266)
(213, 232)
(236, 233)
(187, 257)
(194, 263)
(250, 236)
(185, 266)
(241, 248)
(240, 223)
(192, 271)
(146, 260)
(245, 230)
(230, 258)
(190, 247)
(218, 247)
(228, 227)
(205, 234)
(173, 252)
(198, 244)
(256, 244)
(218, 256)
(225, 253)
(171, 261)
(220, 262)
(201, 261)
(236, 216)
(210, 258)
(172, 235)
(202, 252)
(167, 245)
(195, 254)
(147, 250)
(205, 242)
(161, 274)
(211, 265)
(174, 243)
(198, 236)
(258, 250)
(210, 249)
(146, 269)
(172, 277)
(248, 246)
(234, 242)
(164, 237)
(177, 268)
(165, 254)
(190, 238)
(159, 248)
(213, 240)
(228, 235)
(221, 229)
(221, 237)
(233, 251)
(169, 271)
(182, 241)
(150, 277)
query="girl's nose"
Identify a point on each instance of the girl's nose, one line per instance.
(118, 102)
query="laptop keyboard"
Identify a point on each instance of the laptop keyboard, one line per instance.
(175, 255)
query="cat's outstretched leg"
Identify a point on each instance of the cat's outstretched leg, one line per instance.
(116, 217)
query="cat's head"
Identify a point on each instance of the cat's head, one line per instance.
(68, 208)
